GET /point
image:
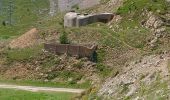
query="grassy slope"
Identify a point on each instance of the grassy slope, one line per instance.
(28, 14)
(131, 12)
(9, 94)
(158, 90)
(124, 38)
(25, 16)
(130, 32)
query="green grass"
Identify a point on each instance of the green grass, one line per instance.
(65, 75)
(23, 54)
(126, 34)
(51, 24)
(137, 6)
(46, 84)
(103, 70)
(9, 94)
(130, 29)
(26, 14)
(158, 90)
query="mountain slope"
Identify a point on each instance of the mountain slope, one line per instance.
(24, 15)
(133, 47)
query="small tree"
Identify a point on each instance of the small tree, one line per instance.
(64, 38)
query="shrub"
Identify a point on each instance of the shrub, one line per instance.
(64, 38)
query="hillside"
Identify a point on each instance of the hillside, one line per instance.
(132, 56)
(24, 15)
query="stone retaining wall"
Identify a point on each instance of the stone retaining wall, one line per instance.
(72, 50)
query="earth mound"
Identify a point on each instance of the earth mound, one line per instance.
(28, 39)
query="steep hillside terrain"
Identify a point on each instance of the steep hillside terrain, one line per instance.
(138, 77)
(133, 49)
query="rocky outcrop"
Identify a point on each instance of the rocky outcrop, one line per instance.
(66, 5)
(144, 70)
(157, 26)
(109, 6)
(153, 21)
(53, 7)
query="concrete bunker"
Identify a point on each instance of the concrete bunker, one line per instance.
(73, 19)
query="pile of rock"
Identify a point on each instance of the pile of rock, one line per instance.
(145, 70)
(157, 27)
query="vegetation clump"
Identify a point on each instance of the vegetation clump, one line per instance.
(64, 38)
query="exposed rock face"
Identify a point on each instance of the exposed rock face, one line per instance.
(153, 21)
(88, 3)
(53, 7)
(157, 27)
(145, 70)
(110, 6)
(66, 5)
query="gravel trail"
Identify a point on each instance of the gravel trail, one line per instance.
(37, 89)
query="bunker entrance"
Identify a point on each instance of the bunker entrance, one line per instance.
(103, 20)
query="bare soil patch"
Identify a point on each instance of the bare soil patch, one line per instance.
(28, 39)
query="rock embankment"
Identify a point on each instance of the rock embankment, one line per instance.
(157, 26)
(145, 70)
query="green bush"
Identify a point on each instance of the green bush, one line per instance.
(64, 38)
(101, 55)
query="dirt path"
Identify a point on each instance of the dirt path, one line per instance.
(37, 89)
